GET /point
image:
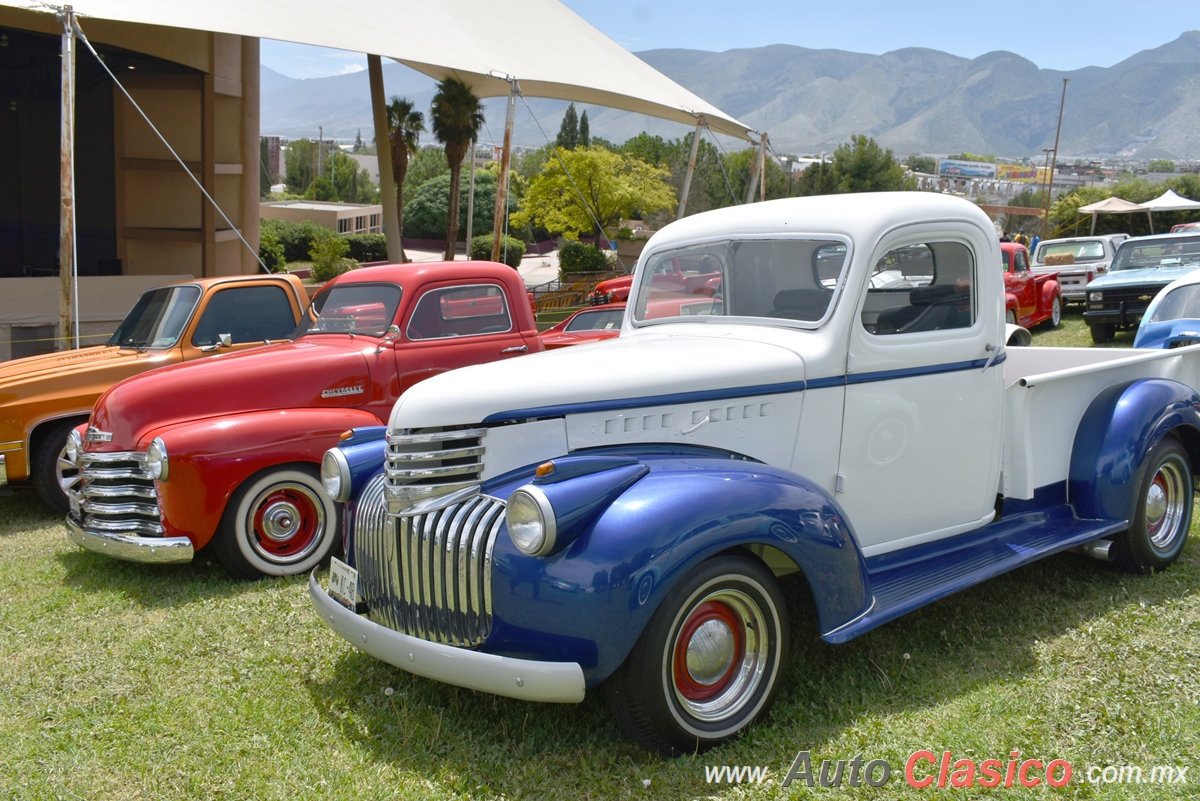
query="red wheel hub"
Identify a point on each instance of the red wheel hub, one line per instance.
(709, 650)
(285, 522)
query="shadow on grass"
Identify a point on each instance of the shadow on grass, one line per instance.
(979, 637)
(21, 509)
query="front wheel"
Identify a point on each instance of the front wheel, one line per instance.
(278, 523)
(709, 663)
(1163, 513)
(1104, 333)
(53, 473)
(1010, 317)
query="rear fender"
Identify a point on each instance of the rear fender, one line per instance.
(1121, 426)
(590, 601)
(209, 459)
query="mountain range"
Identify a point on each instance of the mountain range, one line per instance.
(913, 100)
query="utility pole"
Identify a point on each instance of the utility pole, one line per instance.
(68, 314)
(1054, 159)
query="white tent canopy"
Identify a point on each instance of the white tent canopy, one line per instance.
(1110, 205)
(1169, 201)
(546, 47)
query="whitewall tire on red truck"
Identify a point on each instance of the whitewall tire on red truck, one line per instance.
(710, 662)
(278, 523)
(1162, 512)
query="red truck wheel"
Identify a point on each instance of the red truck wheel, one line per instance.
(709, 663)
(278, 523)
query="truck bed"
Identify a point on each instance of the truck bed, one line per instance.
(1048, 391)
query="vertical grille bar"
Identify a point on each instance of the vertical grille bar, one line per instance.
(429, 575)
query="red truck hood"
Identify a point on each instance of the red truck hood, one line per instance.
(309, 373)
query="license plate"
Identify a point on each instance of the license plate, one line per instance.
(343, 583)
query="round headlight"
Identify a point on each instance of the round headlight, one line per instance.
(156, 460)
(530, 520)
(335, 475)
(74, 447)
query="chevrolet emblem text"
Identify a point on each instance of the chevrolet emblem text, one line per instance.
(336, 393)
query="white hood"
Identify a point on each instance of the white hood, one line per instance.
(639, 367)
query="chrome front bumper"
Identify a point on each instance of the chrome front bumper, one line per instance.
(524, 679)
(149, 550)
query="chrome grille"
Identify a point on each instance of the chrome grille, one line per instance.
(117, 494)
(430, 575)
(432, 467)
(1130, 296)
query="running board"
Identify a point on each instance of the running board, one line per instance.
(906, 580)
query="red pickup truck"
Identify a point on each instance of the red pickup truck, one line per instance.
(228, 449)
(1029, 298)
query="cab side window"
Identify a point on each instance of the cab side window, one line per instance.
(1020, 265)
(929, 287)
(247, 314)
(460, 312)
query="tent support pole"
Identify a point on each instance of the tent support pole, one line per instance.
(754, 173)
(471, 199)
(691, 167)
(1094, 215)
(762, 171)
(502, 179)
(68, 327)
(388, 194)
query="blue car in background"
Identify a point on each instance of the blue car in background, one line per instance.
(1173, 319)
(1143, 265)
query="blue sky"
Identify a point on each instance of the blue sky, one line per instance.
(1050, 33)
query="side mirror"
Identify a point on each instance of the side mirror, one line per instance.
(392, 333)
(225, 340)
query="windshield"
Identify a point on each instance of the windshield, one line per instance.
(157, 320)
(1081, 251)
(351, 309)
(1181, 304)
(785, 278)
(1174, 251)
(602, 320)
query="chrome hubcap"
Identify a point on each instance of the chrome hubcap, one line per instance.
(66, 472)
(281, 521)
(1165, 506)
(710, 652)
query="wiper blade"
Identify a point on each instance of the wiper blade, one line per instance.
(140, 347)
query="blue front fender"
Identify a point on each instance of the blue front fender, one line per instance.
(1119, 429)
(590, 601)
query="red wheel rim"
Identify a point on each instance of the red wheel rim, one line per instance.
(287, 521)
(707, 617)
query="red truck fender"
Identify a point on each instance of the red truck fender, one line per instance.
(210, 459)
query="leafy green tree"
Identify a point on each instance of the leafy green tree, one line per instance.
(424, 165)
(1160, 165)
(818, 178)
(610, 185)
(457, 116)
(739, 166)
(405, 125)
(650, 149)
(429, 207)
(863, 166)
(585, 134)
(298, 165)
(568, 131)
(1030, 198)
(358, 142)
(965, 156)
(925, 164)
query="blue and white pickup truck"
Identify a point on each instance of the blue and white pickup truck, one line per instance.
(622, 513)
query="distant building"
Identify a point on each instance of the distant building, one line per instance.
(274, 157)
(345, 218)
(368, 163)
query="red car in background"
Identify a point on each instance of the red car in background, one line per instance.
(682, 275)
(592, 324)
(1029, 298)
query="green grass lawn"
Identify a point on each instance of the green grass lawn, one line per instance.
(122, 681)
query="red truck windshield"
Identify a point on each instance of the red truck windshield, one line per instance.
(352, 309)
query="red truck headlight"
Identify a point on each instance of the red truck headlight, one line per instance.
(156, 460)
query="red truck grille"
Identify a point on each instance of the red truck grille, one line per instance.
(429, 575)
(117, 494)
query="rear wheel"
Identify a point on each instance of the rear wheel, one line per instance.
(1103, 333)
(278, 523)
(1163, 513)
(1055, 311)
(710, 662)
(53, 474)
(1010, 317)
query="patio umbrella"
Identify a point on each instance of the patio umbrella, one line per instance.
(1111, 205)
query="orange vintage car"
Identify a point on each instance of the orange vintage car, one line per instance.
(43, 397)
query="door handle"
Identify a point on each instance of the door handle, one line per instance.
(996, 350)
(516, 349)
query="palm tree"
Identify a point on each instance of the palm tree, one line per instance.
(457, 116)
(405, 125)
